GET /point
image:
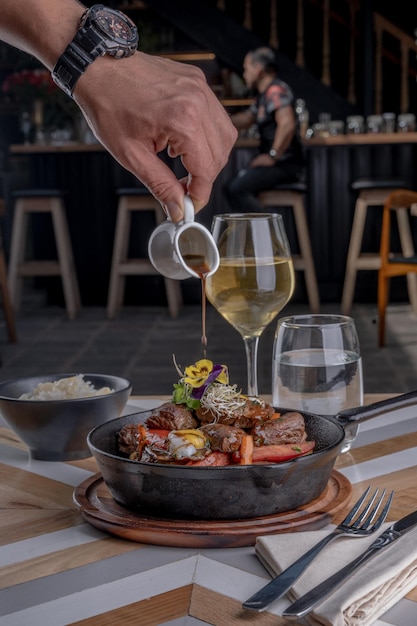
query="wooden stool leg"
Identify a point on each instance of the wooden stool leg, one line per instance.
(306, 253)
(174, 296)
(7, 304)
(172, 287)
(354, 250)
(303, 261)
(17, 253)
(121, 243)
(383, 289)
(65, 258)
(44, 202)
(407, 247)
(122, 266)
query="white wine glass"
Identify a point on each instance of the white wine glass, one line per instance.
(255, 279)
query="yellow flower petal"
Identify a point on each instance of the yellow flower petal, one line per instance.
(195, 382)
(205, 364)
(201, 369)
(223, 377)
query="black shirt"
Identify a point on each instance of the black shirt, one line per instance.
(277, 95)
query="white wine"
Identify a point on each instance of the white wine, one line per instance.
(250, 292)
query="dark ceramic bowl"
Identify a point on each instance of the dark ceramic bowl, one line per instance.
(56, 430)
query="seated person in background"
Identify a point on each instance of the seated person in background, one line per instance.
(281, 156)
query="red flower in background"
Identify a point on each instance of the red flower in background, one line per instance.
(28, 85)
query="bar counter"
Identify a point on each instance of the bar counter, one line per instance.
(359, 139)
(91, 176)
(58, 570)
(362, 139)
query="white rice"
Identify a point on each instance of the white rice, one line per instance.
(65, 389)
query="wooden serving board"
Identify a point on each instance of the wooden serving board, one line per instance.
(99, 508)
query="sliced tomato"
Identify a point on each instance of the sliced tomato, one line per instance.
(159, 432)
(277, 453)
(214, 459)
(156, 437)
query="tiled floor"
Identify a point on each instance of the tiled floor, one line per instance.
(140, 343)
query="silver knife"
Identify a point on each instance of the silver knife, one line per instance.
(279, 585)
(306, 603)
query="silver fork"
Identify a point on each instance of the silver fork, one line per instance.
(356, 524)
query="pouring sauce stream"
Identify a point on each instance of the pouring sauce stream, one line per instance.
(199, 265)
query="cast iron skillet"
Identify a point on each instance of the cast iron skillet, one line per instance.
(231, 492)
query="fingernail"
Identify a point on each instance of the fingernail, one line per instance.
(174, 211)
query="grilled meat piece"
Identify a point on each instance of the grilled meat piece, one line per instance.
(289, 428)
(252, 412)
(223, 437)
(171, 416)
(128, 440)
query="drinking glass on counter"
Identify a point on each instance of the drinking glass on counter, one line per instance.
(389, 122)
(336, 127)
(255, 279)
(317, 366)
(355, 124)
(406, 123)
(374, 123)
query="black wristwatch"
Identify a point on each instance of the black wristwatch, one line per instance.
(101, 31)
(273, 154)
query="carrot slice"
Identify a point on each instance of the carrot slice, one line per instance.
(142, 433)
(274, 416)
(246, 450)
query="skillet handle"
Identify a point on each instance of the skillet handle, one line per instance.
(376, 409)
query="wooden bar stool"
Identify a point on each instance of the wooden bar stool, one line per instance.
(370, 193)
(6, 300)
(292, 195)
(393, 264)
(4, 289)
(32, 201)
(133, 199)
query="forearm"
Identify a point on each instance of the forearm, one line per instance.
(31, 26)
(137, 106)
(282, 142)
(286, 127)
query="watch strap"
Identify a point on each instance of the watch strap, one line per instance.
(79, 54)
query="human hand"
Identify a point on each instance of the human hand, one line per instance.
(141, 105)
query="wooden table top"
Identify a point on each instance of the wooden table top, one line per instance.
(57, 569)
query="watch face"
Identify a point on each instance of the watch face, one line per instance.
(115, 25)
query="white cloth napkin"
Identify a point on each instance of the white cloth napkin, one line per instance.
(363, 597)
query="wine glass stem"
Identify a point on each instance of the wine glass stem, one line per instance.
(251, 347)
